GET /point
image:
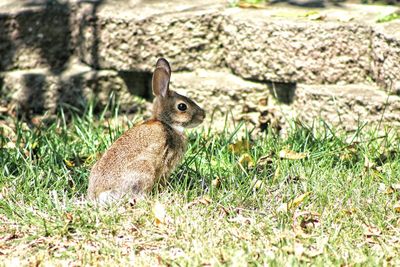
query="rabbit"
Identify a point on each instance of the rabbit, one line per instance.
(147, 153)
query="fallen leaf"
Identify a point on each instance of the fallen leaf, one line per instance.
(368, 163)
(205, 200)
(349, 152)
(257, 184)
(216, 182)
(69, 163)
(69, 216)
(306, 221)
(6, 130)
(9, 145)
(264, 160)
(37, 121)
(289, 154)
(348, 211)
(240, 219)
(370, 230)
(246, 160)
(160, 214)
(390, 189)
(396, 207)
(298, 200)
(239, 147)
(3, 109)
(223, 211)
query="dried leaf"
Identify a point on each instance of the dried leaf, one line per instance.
(349, 152)
(240, 219)
(6, 130)
(223, 211)
(9, 145)
(298, 200)
(3, 109)
(69, 163)
(216, 182)
(160, 214)
(37, 121)
(289, 154)
(239, 147)
(246, 160)
(306, 221)
(396, 207)
(390, 189)
(205, 200)
(264, 160)
(69, 216)
(371, 230)
(257, 184)
(368, 163)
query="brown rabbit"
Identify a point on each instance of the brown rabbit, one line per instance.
(148, 152)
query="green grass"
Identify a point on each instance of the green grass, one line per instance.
(390, 17)
(348, 218)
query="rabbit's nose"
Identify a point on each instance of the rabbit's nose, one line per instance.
(203, 114)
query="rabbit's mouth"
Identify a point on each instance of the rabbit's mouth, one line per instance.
(197, 119)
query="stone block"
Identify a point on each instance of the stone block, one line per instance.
(37, 91)
(134, 40)
(264, 48)
(347, 106)
(385, 62)
(36, 37)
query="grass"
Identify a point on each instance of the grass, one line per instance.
(390, 17)
(337, 206)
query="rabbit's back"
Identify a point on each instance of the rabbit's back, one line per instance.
(137, 159)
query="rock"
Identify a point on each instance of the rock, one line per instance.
(262, 48)
(184, 32)
(36, 37)
(222, 94)
(307, 66)
(37, 91)
(254, 44)
(386, 55)
(347, 106)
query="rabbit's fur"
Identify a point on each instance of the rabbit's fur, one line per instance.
(148, 152)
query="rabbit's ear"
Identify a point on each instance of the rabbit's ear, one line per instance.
(161, 77)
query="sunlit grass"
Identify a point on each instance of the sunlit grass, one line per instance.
(246, 218)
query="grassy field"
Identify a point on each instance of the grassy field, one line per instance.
(315, 197)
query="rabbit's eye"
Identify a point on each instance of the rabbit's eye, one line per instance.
(182, 106)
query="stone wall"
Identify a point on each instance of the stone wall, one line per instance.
(335, 61)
